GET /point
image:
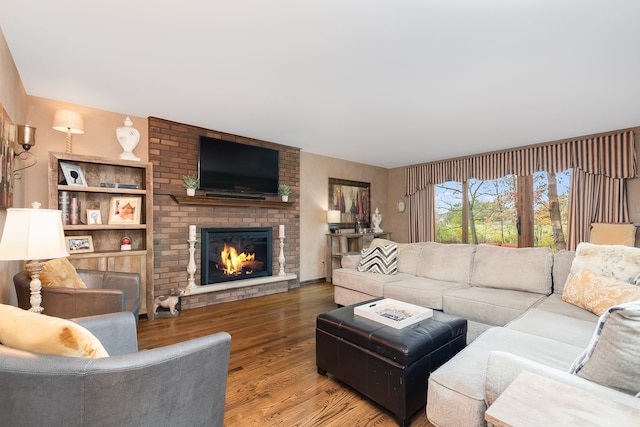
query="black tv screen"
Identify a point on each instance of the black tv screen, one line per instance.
(239, 168)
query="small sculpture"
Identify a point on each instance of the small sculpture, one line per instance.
(128, 137)
(376, 219)
(169, 301)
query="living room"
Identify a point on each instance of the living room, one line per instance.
(305, 243)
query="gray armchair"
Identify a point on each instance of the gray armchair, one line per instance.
(182, 384)
(107, 292)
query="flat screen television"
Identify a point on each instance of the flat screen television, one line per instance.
(227, 166)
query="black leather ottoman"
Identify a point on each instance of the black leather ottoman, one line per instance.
(390, 366)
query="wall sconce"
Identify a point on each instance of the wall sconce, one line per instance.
(69, 122)
(33, 235)
(27, 139)
(333, 218)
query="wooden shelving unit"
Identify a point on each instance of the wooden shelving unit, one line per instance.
(107, 255)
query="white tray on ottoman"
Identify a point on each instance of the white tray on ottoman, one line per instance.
(390, 312)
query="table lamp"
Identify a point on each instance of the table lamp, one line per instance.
(33, 235)
(333, 218)
(69, 122)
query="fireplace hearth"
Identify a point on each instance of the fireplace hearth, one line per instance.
(229, 254)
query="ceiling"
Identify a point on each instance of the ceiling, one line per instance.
(382, 82)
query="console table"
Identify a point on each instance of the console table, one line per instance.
(339, 244)
(532, 400)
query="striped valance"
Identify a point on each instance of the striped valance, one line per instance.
(612, 155)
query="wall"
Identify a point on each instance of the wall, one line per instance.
(315, 171)
(99, 139)
(173, 149)
(14, 100)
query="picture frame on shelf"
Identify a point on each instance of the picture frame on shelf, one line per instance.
(94, 216)
(125, 210)
(73, 174)
(79, 244)
(352, 199)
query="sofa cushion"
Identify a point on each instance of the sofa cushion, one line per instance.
(555, 326)
(613, 354)
(561, 267)
(60, 272)
(421, 291)
(495, 307)
(25, 330)
(455, 394)
(379, 259)
(449, 262)
(518, 269)
(367, 283)
(597, 293)
(554, 304)
(614, 261)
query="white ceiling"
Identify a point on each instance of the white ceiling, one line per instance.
(383, 82)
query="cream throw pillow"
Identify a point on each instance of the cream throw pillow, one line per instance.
(28, 331)
(60, 272)
(597, 293)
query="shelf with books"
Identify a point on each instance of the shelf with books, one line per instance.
(105, 201)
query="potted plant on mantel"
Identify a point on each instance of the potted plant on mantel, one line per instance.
(190, 183)
(284, 191)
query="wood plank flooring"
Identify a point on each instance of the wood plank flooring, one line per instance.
(273, 379)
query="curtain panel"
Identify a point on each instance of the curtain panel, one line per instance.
(597, 192)
(612, 155)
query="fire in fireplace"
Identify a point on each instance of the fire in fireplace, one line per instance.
(235, 254)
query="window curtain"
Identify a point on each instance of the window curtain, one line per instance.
(422, 218)
(609, 157)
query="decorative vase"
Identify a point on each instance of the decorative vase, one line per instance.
(376, 219)
(191, 191)
(128, 137)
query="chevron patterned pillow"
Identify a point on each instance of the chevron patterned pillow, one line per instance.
(381, 259)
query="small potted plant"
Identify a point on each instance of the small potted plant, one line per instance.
(190, 183)
(284, 190)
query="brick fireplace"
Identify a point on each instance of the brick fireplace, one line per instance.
(173, 150)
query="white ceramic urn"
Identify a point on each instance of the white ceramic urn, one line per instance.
(128, 137)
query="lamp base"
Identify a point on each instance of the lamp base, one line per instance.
(34, 268)
(334, 229)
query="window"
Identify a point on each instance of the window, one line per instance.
(486, 211)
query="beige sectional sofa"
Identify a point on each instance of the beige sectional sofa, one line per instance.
(517, 319)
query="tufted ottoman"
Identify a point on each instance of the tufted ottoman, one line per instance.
(390, 366)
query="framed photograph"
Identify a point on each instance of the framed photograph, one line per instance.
(73, 174)
(94, 216)
(352, 199)
(125, 210)
(79, 244)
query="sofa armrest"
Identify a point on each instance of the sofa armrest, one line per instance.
(503, 368)
(129, 283)
(350, 261)
(73, 302)
(116, 331)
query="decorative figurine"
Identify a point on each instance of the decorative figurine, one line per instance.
(376, 219)
(169, 301)
(128, 137)
(125, 243)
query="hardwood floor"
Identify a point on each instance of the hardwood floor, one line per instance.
(273, 379)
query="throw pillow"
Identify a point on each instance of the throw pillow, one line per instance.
(596, 293)
(617, 262)
(380, 259)
(25, 330)
(611, 359)
(60, 272)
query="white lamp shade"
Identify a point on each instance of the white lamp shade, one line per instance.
(33, 234)
(333, 217)
(65, 120)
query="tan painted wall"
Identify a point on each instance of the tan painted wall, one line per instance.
(315, 171)
(99, 139)
(14, 100)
